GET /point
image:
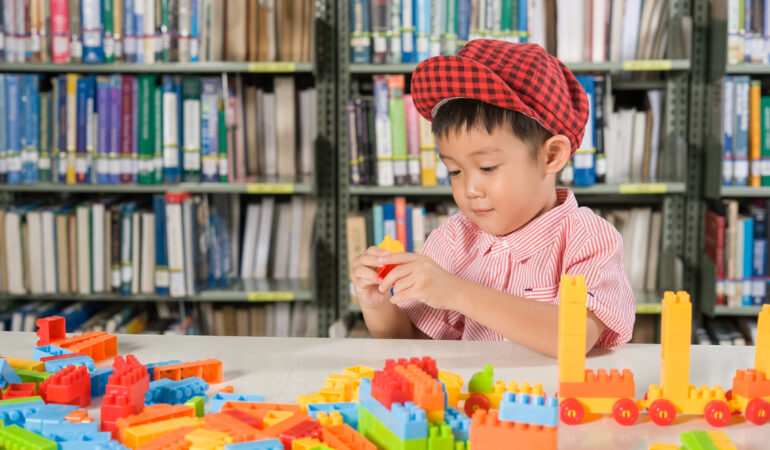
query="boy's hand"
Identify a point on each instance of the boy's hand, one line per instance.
(418, 277)
(364, 275)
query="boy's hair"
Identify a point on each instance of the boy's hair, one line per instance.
(463, 114)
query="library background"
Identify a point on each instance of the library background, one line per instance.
(212, 167)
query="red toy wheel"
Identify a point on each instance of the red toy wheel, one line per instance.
(474, 402)
(625, 411)
(662, 412)
(758, 411)
(717, 413)
(571, 411)
(729, 394)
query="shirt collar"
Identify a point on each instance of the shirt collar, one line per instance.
(535, 235)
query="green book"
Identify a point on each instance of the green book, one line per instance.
(765, 139)
(165, 36)
(505, 20)
(108, 23)
(44, 159)
(191, 114)
(450, 19)
(398, 127)
(222, 160)
(146, 123)
(157, 134)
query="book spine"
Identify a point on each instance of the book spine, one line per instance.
(148, 35)
(129, 32)
(422, 29)
(90, 126)
(195, 32)
(108, 31)
(385, 175)
(60, 31)
(362, 138)
(583, 161)
(463, 22)
(728, 127)
(409, 229)
(13, 128)
(76, 43)
(157, 134)
(175, 245)
(450, 20)
(171, 170)
(408, 44)
(398, 127)
(759, 263)
(22, 30)
(378, 222)
(73, 82)
(371, 148)
(436, 22)
(146, 152)
(209, 129)
(93, 44)
(506, 19)
(161, 255)
(222, 160)
(30, 142)
(81, 162)
(755, 145)
(191, 94)
(126, 246)
(389, 226)
(360, 40)
(127, 135)
(3, 131)
(355, 169)
(748, 262)
(102, 147)
(601, 160)
(764, 138)
(741, 154)
(412, 140)
(62, 157)
(522, 27)
(116, 126)
(117, 29)
(427, 153)
(132, 166)
(394, 32)
(165, 35)
(400, 210)
(379, 15)
(2, 33)
(183, 22)
(35, 28)
(46, 136)
(138, 19)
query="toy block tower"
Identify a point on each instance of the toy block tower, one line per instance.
(572, 329)
(762, 352)
(675, 335)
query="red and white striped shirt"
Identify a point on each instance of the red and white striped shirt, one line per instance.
(529, 263)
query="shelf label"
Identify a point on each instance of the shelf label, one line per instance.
(270, 296)
(269, 188)
(647, 64)
(648, 308)
(271, 67)
(642, 188)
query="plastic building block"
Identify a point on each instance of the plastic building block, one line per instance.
(407, 421)
(459, 423)
(274, 430)
(202, 438)
(26, 364)
(56, 365)
(305, 429)
(142, 434)
(20, 390)
(50, 329)
(151, 367)
(47, 414)
(172, 440)
(220, 398)
(15, 410)
(662, 446)
(348, 410)
(261, 410)
(487, 433)
(226, 390)
(32, 376)
(273, 418)
(197, 403)
(426, 364)
(572, 328)
(65, 431)
(389, 387)
(69, 386)
(78, 416)
(762, 352)
(266, 444)
(107, 445)
(210, 370)
(393, 246)
(482, 381)
(344, 437)
(63, 356)
(380, 435)
(600, 384)
(48, 350)
(154, 413)
(99, 379)
(174, 392)
(125, 390)
(440, 438)
(706, 440)
(245, 418)
(7, 374)
(97, 344)
(675, 332)
(307, 444)
(13, 437)
(426, 390)
(239, 431)
(531, 409)
(452, 385)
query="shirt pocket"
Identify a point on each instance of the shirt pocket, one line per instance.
(542, 294)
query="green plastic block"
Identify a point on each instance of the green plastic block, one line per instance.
(12, 401)
(483, 381)
(31, 376)
(196, 403)
(441, 438)
(321, 447)
(371, 428)
(697, 440)
(16, 438)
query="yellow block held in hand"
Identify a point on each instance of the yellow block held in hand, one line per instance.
(393, 246)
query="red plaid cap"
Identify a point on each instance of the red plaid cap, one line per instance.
(519, 77)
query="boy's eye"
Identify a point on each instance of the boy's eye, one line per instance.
(454, 173)
(488, 169)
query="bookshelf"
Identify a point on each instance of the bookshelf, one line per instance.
(270, 68)
(668, 196)
(255, 188)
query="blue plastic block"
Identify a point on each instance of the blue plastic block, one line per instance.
(348, 410)
(99, 379)
(531, 409)
(15, 413)
(269, 444)
(47, 414)
(407, 421)
(92, 445)
(151, 366)
(174, 392)
(56, 365)
(66, 431)
(48, 350)
(220, 398)
(7, 374)
(459, 422)
(95, 437)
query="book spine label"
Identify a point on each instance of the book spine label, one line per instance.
(93, 44)
(209, 129)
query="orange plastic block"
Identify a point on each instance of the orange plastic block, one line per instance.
(751, 383)
(26, 364)
(427, 391)
(488, 433)
(19, 390)
(226, 390)
(260, 410)
(210, 370)
(133, 437)
(335, 418)
(170, 441)
(97, 344)
(153, 413)
(344, 437)
(601, 384)
(50, 329)
(78, 416)
(202, 439)
(281, 427)
(239, 431)
(662, 446)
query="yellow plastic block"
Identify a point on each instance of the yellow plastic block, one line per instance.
(762, 352)
(572, 328)
(26, 364)
(391, 245)
(453, 384)
(141, 434)
(203, 439)
(435, 416)
(359, 371)
(662, 446)
(304, 400)
(329, 420)
(274, 417)
(305, 444)
(721, 440)
(676, 327)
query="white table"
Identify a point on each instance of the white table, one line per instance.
(283, 368)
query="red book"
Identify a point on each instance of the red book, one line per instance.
(60, 31)
(401, 220)
(714, 247)
(127, 135)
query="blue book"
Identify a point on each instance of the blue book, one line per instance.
(30, 116)
(126, 245)
(115, 124)
(523, 32)
(360, 38)
(389, 220)
(748, 261)
(210, 129)
(463, 22)
(129, 32)
(90, 123)
(180, 118)
(748, 10)
(584, 160)
(741, 145)
(195, 34)
(161, 255)
(13, 128)
(408, 51)
(423, 30)
(172, 171)
(378, 223)
(103, 139)
(728, 129)
(759, 264)
(91, 20)
(409, 237)
(61, 159)
(81, 156)
(3, 132)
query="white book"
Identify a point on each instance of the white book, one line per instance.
(285, 125)
(249, 240)
(281, 237)
(170, 130)
(569, 30)
(191, 147)
(639, 245)
(149, 31)
(282, 319)
(97, 246)
(298, 320)
(295, 237)
(189, 246)
(35, 252)
(311, 320)
(655, 98)
(107, 253)
(136, 254)
(598, 39)
(630, 35)
(269, 134)
(83, 224)
(637, 145)
(185, 10)
(9, 28)
(537, 19)
(175, 244)
(263, 238)
(418, 228)
(646, 30)
(307, 130)
(235, 234)
(616, 29)
(49, 251)
(653, 257)
(147, 269)
(306, 243)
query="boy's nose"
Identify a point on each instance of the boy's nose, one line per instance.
(473, 190)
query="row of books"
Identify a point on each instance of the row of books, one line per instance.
(125, 129)
(176, 245)
(149, 31)
(725, 331)
(735, 239)
(748, 27)
(280, 319)
(383, 31)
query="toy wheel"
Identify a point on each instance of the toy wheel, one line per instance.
(625, 411)
(571, 411)
(729, 394)
(662, 412)
(717, 413)
(758, 411)
(474, 402)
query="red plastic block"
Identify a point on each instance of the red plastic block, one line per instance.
(427, 392)
(244, 417)
(281, 427)
(78, 416)
(69, 386)
(601, 385)
(152, 413)
(489, 433)
(308, 428)
(259, 410)
(19, 390)
(50, 329)
(388, 387)
(210, 370)
(426, 364)
(170, 441)
(383, 271)
(751, 383)
(344, 437)
(224, 423)
(97, 344)
(64, 356)
(226, 390)
(124, 392)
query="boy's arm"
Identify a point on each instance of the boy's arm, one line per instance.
(388, 321)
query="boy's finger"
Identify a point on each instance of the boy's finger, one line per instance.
(395, 275)
(367, 260)
(376, 251)
(365, 274)
(397, 258)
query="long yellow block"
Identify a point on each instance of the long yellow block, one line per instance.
(26, 364)
(203, 439)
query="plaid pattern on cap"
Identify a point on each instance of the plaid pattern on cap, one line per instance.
(519, 77)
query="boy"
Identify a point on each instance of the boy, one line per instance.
(507, 118)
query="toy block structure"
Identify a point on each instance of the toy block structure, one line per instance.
(488, 432)
(393, 246)
(150, 414)
(50, 329)
(20, 390)
(262, 411)
(751, 387)
(15, 410)
(124, 393)
(220, 398)
(49, 350)
(340, 435)
(245, 418)
(97, 344)
(338, 388)
(31, 376)
(47, 415)
(57, 363)
(582, 390)
(238, 430)
(459, 423)
(210, 370)
(452, 385)
(674, 395)
(151, 366)
(69, 386)
(172, 440)
(530, 406)
(201, 438)
(174, 392)
(138, 435)
(15, 437)
(26, 364)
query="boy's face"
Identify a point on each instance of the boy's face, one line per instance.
(495, 179)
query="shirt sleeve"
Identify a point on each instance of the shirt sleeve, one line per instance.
(610, 296)
(437, 323)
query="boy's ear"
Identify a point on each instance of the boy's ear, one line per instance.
(557, 151)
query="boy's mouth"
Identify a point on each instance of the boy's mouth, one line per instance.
(481, 212)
